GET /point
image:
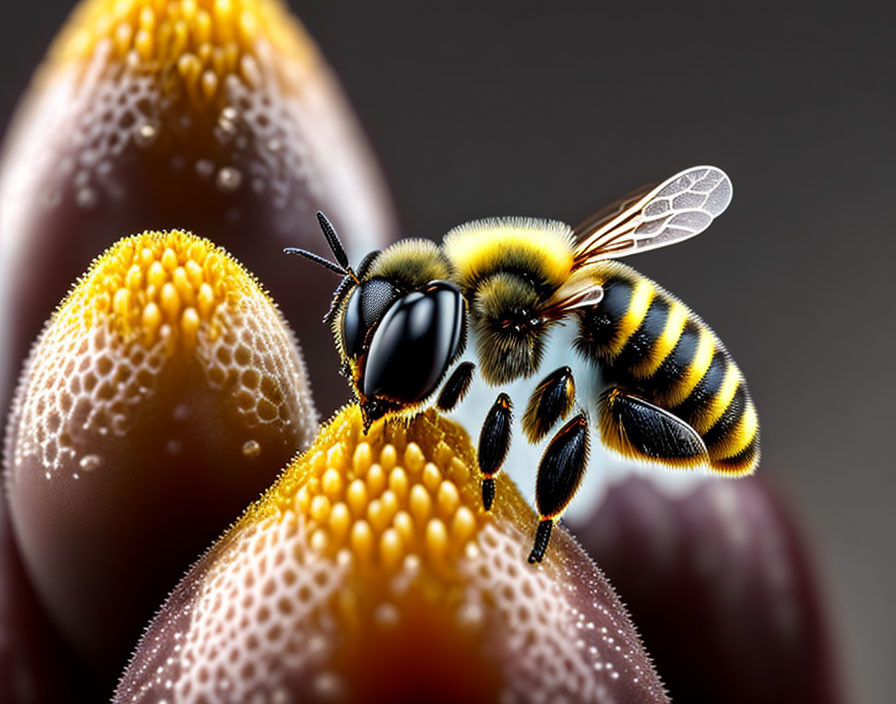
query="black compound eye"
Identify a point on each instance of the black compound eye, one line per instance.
(366, 306)
(414, 344)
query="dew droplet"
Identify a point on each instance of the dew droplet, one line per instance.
(229, 179)
(251, 449)
(205, 168)
(145, 136)
(174, 446)
(86, 198)
(90, 463)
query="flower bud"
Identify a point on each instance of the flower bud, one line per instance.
(371, 573)
(163, 394)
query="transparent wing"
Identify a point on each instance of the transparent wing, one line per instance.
(679, 208)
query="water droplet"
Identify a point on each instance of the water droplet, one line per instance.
(205, 168)
(86, 198)
(90, 463)
(174, 446)
(251, 449)
(145, 136)
(229, 179)
(387, 615)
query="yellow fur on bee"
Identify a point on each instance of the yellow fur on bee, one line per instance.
(543, 248)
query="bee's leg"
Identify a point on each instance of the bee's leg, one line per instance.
(559, 474)
(640, 430)
(552, 400)
(494, 441)
(456, 387)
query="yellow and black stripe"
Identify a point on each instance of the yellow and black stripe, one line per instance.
(649, 342)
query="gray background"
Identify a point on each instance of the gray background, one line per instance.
(507, 108)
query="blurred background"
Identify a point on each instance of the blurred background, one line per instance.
(505, 108)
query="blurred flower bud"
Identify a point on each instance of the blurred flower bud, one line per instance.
(218, 116)
(718, 580)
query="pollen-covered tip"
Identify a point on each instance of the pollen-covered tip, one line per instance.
(164, 393)
(219, 116)
(370, 573)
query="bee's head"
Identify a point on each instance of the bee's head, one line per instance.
(398, 322)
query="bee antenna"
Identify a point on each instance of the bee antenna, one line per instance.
(333, 240)
(330, 266)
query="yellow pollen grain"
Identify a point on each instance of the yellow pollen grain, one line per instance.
(362, 458)
(183, 286)
(463, 524)
(170, 301)
(377, 516)
(420, 503)
(404, 524)
(389, 502)
(336, 457)
(339, 521)
(155, 275)
(356, 496)
(376, 480)
(388, 457)
(134, 279)
(206, 300)
(436, 537)
(361, 539)
(391, 548)
(320, 508)
(169, 259)
(414, 460)
(331, 483)
(319, 540)
(189, 325)
(398, 483)
(448, 499)
(303, 500)
(151, 320)
(432, 477)
(121, 301)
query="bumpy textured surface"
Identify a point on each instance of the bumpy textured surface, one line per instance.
(164, 394)
(219, 116)
(369, 572)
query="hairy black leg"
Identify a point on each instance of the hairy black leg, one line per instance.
(494, 441)
(542, 537)
(559, 474)
(552, 400)
(456, 387)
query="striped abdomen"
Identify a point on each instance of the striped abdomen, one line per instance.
(649, 342)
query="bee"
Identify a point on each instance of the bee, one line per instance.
(670, 394)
